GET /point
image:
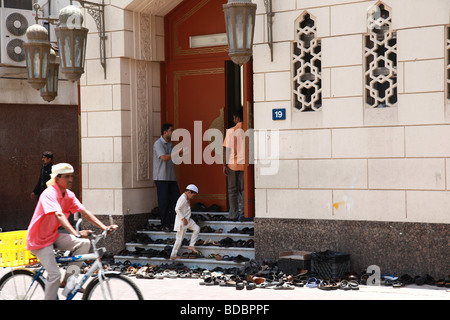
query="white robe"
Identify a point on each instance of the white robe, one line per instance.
(183, 210)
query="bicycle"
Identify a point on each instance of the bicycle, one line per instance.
(27, 284)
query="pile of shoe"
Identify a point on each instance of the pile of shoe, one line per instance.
(227, 242)
(397, 282)
(245, 230)
(147, 271)
(207, 217)
(174, 269)
(269, 276)
(239, 258)
(148, 252)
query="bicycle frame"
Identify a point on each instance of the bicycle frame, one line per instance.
(97, 265)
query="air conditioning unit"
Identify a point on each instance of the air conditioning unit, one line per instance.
(14, 24)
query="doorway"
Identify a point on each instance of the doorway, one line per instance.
(239, 94)
(201, 87)
(234, 94)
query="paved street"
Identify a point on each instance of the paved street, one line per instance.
(186, 297)
(190, 289)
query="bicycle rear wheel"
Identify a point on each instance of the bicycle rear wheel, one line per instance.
(115, 287)
(21, 284)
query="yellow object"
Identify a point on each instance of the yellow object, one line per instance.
(337, 204)
(12, 249)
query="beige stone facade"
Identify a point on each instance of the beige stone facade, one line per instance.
(347, 161)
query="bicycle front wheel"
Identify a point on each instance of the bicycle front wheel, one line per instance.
(21, 284)
(112, 287)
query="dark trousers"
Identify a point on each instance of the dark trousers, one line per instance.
(168, 194)
(235, 193)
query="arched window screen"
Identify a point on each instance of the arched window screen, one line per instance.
(380, 59)
(307, 79)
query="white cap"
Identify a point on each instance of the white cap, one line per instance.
(192, 187)
(60, 168)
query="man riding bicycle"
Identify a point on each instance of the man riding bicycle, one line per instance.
(54, 207)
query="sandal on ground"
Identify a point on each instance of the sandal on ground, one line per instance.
(299, 282)
(397, 284)
(389, 279)
(255, 279)
(250, 285)
(192, 255)
(185, 255)
(440, 282)
(266, 284)
(388, 276)
(353, 285)
(419, 280)
(445, 282)
(207, 281)
(240, 285)
(324, 285)
(430, 280)
(406, 279)
(284, 286)
(312, 283)
(344, 285)
(228, 283)
(227, 258)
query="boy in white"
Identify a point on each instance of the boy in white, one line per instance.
(183, 221)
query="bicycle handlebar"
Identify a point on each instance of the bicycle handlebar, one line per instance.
(102, 235)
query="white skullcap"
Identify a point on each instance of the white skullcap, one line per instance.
(192, 187)
(60, 168)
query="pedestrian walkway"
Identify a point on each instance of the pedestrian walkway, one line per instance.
(190, 289)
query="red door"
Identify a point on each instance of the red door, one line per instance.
(195, 92)
(196, 96)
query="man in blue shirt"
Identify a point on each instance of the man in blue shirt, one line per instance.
(164, 177)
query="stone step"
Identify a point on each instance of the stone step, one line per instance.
(203, 263)
(221, 228)
(213, 236)
(205, 250)
(226, 226)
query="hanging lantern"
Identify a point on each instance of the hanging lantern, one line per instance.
(71, 42)
(240, 24)
(37, 51)
(50, 90)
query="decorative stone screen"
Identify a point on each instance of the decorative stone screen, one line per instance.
(380, 59)
(307, 81)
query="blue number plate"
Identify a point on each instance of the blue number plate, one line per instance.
(278, 114)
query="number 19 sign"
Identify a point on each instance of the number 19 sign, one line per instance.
(278, 114)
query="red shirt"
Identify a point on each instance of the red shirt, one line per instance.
(43, 228)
